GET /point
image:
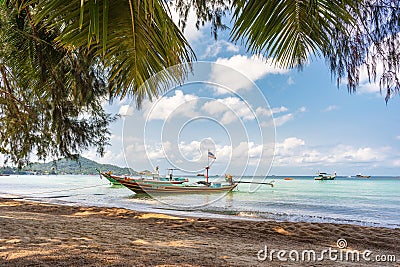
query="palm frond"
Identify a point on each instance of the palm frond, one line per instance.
(288, 31)
(138, 39)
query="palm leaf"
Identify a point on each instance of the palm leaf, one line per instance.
(288, 31)
(138, 40)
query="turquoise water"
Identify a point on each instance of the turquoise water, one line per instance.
(372, 202)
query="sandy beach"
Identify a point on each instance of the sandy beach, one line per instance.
(37, 234)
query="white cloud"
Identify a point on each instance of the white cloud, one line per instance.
(191, 151)
(152, 152)
(230, 108)
(279, 121)
(268, 112)
(263, 112)
(254, 68)
(279, 109)
(294, 151)
(290, 143)
(178, 104)
(247, 149)
(126, 110)
(214, 49)
(302, 109)
(368, 88)
(239, 155)
(331, 108)
(363, 154)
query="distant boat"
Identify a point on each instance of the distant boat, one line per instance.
(322, 176)
(288, 178)
(363, 176)
(200, 174)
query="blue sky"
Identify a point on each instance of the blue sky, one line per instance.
(317, 125)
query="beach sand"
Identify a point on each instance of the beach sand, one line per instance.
(37, 234)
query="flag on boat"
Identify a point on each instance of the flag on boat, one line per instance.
(211, 155)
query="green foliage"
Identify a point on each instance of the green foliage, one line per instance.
(373, 41)
(211, 11)
(134, 40)
(81, 165)
(60, 60)
(50, 97)
(288, 31)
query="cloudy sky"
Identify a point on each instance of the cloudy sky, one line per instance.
(306, 125)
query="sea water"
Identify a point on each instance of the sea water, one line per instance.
(369, 202)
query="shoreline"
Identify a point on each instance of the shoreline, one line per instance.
(206, 213)
(34, 233)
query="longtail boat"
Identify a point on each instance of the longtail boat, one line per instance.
(140, 187)
(146, 187)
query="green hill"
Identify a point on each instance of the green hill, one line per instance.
(68, 166)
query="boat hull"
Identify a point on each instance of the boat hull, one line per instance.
(145, 188)
(363, 176)
(324, 178)
(111, 180)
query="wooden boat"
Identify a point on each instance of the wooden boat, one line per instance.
(322, 176)
(142, 187)
(110, 177)
(115, 180)
(170, 177)
(363, 176)
(158, 186)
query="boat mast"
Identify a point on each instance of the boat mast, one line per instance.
(208, 165)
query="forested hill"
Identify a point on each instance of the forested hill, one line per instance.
(68, 166)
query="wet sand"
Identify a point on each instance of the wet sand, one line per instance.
(37, 234)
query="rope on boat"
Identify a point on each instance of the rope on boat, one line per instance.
(245, 182)
(66, 190)
(56, 191)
